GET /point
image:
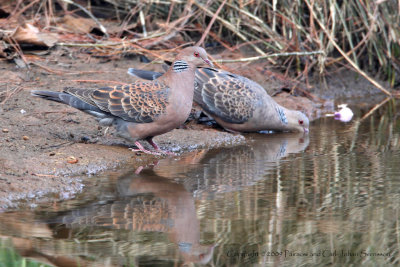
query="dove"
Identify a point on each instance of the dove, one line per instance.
(237, 103)
(141, 110)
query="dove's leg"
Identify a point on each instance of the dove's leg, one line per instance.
(157, 148)
(140, 148)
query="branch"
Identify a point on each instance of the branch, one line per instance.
(354, 65)
(268, 56)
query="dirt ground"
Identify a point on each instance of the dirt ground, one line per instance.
(47, 147)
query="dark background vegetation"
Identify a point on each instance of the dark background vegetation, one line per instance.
(318, 35)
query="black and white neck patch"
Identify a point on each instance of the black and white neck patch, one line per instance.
(281, 115)
(180, 66)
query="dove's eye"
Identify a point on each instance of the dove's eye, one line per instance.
(196, 54)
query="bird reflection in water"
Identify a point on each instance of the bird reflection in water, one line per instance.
(149, 202)
(231, 169)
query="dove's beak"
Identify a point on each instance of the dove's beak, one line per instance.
(208, 62)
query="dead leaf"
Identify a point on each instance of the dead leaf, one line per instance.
(72, 160)
(77, 25)
(29, 34)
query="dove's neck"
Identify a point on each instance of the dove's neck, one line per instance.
(180, 66)
(180, 78)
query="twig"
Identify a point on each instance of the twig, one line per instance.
(371, 29)
(218, 39)
(44, 175)
(102, 28)
(272, 33)
(48, 69)
(9, 93)
(18, 49)
(375, 108)
(331, 39)
(201, 41)
(105, 44)
(229, 26)
(268, 56)
(171, 8)
(143, 22)
(17, 14)
(174, 28)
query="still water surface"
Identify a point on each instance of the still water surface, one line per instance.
(331, 197)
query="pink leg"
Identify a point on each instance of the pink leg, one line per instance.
(142, 149)
(138, 170)
(157, 148)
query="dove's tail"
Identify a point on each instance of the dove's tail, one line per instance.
(68, 99)
(144, 74)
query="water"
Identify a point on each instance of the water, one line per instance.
(329, 198)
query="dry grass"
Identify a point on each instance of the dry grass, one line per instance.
(306, 35)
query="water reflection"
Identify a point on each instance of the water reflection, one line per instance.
(232, 169)
(147, 202)
(328, 198)
(152, 216)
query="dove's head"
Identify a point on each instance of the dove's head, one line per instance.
(194, 55)
(298, 121)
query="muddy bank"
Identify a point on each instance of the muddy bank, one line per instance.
(31, 169)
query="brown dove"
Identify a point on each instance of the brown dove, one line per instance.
(238, 104)
(141, 110)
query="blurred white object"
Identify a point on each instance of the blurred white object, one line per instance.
(344, 114)
(23, 111)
